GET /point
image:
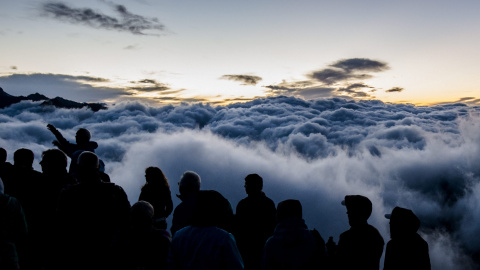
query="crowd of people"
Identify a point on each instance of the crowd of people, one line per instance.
(80, 219)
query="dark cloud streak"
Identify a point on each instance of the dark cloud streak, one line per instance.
(348, 69)
(395, 90)
(149, 85)
(127, 21)
(245, 79)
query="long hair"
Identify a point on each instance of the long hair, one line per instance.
(155, 176)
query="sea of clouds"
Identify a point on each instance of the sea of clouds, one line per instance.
(423, 158)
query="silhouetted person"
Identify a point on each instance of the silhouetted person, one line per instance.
(361, 246)
(204, 245)
(156, 191)
(73, 150)
(141, 245)
(255, 222)
(406, 249)
(4, 165)
(293, 246)
(90, 214)
(13, 229)
(189, 186)
(25, 184)
(82, 139)
(55, 179)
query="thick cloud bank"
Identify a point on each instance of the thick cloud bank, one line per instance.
(423, 158)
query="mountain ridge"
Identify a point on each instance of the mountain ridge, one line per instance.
(6, 100)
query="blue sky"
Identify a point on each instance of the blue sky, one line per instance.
(186, 48)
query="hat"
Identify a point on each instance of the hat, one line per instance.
(289, 209)
(359, 205)
(404, 218)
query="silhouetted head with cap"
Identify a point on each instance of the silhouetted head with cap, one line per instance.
(403, 222)
(82, 136)
(253, 184)
(289, 209)
(23, 158)
(359, 209)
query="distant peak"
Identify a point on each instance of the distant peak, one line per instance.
(37, 97)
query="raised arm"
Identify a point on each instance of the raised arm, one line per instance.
(60, 139)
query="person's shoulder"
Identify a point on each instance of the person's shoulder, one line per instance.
(92, 145)
(420, 240)
(268, 200)
(113, 187)
(243, 201)
(372, 230)
(374, 233)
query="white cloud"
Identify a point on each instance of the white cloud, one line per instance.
(423, 158)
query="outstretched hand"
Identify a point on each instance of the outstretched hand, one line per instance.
(51, 127)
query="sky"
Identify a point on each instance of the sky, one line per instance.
(418, 52)
(321, 98)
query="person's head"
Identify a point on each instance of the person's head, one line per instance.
(23, 158)
(82, 136)
(359, 209)
(53, 160)
(189, 183)
(253, 183)
(153, 175)
(403, 222)
(141, 214)
(88, 164)
(211, 209)
(3, 155)
(289, 209)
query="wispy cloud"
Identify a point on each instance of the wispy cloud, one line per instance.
(343, 78)
(149, 85)
(394, 90)
(131, 47)
(125, 22)
(245, 79)
(355, 90)
(348, 69)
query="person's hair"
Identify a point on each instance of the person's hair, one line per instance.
(254, 182)
(88, 160)
(189, 182)
(155, 176)
(3, 155)
(289, 209)
(211, 209)
(55, 157)
(23, 157)
(141, 214)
